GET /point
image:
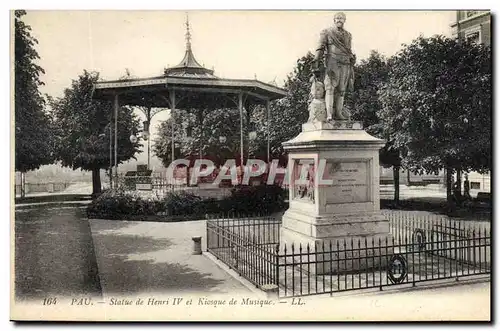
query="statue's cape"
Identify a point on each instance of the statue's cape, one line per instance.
(334, 38)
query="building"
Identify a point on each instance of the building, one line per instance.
(474, 25)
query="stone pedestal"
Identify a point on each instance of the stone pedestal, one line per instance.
(337, 201)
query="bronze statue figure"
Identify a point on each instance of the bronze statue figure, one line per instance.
(334, 52)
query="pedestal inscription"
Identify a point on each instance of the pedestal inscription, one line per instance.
(350, 181)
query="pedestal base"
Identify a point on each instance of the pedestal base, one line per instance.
(336, 243)
(340, 228)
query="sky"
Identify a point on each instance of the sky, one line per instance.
(236, 44)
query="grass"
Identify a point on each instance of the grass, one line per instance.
(437, 205)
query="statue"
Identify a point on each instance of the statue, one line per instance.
(334, 51)
(317, 107)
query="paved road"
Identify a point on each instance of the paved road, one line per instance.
(54, 253)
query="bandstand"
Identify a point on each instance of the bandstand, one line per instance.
(187, 85)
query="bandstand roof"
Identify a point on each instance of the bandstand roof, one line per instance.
(195, 87)
(190, 92)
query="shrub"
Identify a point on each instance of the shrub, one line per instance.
(251, 199)
(113, 204)
(181, 203)
(117, 204)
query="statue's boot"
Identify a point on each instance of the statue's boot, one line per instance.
(329, 103)
(339, 114)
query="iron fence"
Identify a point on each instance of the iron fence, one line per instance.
(417, 250)
(159, 184)
(41, 187)
(247, 245)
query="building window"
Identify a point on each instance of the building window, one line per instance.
(475, 185)
(470, 13)
(473, 37)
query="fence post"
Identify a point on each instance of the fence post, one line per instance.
(207, 233)
(277, 265)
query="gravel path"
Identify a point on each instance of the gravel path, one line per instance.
(137, 258)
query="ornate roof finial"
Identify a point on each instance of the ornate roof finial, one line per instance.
(189, 66)
(188, 33)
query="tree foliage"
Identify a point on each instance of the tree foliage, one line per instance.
(370, 75)
(437, 105)
(198, 131)
(33, 132)
(288, 114)
(83, 129)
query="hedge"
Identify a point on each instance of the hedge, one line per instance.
(118, 204)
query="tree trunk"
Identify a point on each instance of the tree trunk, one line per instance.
(23, 184)
(408, 177)
(449, 183)
(459, 181)
(96, 181)
(110, 175)
(395, 170)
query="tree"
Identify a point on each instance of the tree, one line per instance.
(288, 114)
(437, 106)
(33, 130)
(370, 75)
(83, 125)
(197, 131)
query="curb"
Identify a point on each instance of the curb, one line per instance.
(52, 203)
(235, 275)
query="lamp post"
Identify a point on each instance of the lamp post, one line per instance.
(252, 135)
(144, 134)
(110, 157)
(222, 141)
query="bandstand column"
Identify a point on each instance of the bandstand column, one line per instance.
(116, 105)
(268, 109)
(240, 108)
(148, 118)
(172, 111)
